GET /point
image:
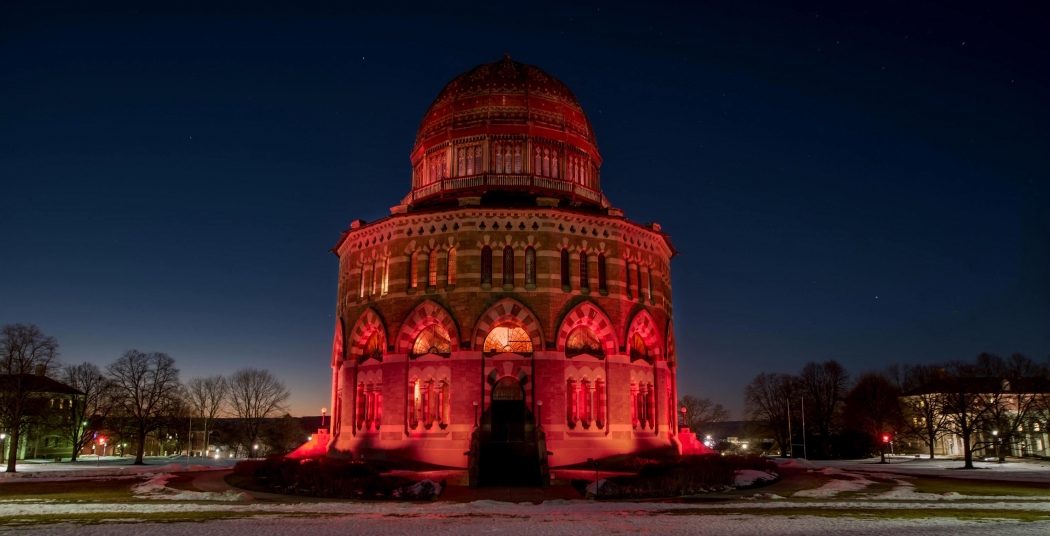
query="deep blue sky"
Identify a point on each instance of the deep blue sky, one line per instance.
(864, 183)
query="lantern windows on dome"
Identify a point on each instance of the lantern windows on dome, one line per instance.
(469, 161)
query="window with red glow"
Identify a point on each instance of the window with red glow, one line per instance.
(583, 340)
(508, 337)
(432, 340)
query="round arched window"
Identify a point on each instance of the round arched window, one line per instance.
(508, 337)
(373, 348)
(432, 340)
(638, 348)
(583, 340)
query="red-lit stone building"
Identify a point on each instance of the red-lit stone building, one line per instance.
(504, 291)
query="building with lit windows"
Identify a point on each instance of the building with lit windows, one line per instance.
(504, 309)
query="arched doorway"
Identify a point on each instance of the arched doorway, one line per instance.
(508, 411)
(508, 455)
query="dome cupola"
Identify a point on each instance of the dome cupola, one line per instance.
(505, 133)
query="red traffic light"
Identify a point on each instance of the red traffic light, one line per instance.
(885, 438)
(101, 440)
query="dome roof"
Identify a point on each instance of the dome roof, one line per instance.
(508, 132)
(507, 93)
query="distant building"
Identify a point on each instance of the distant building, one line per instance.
(1028, 439)
(504, 308)
(50, 404)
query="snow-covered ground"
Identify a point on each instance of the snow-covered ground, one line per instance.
(550, 518)
(1012, 471)
(114, 466)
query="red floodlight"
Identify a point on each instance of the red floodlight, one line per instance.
(885, 438)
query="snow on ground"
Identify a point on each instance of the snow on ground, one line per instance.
(850, 482)
(1013, 470)
(750, 477)
(157, 488)
(114, 466)
(514, 519)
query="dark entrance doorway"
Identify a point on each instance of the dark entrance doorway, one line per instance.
(509, 455)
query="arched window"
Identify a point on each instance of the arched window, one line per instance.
(486, 266)
(361, 283)
(585, 280)
(546, 163)
(508, 162)
(359, 406)
(377, 277)
(477, 159)
(627, 279)
(386, 275)
(649, 282)
(566, 281)
(638, 275)
(432, 340)
(508, 337)
(599, 403)
(572, 403)
(413, 270)
(373, 348)
(499, 159)
(638, 348)
(508, 266)
(537, 168)
(603, 285)
(432, 269)
(650, 406)
(530, 266)
(554, 164)
(450, 267)
(583, 340)
(461, 168)
(517, 159)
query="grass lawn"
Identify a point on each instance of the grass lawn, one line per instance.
(97, 490)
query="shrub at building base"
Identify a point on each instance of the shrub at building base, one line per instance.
(331, 478)
(685, 475)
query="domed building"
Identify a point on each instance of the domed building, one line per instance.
(504, 317)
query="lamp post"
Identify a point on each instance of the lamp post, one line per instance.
(684, 422)
(255, 451)
(475, 413)
(995, 443)
(539, 413)
(323, 411)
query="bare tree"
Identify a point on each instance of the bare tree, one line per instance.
(922, 402)
(964, 404)
(90, 407)
(700, 413)
(824, 386)
(146, 391)
(766, 401)
(207, 398)
(255, 394)
(1015, 386)
(25, 357)
(873, 407)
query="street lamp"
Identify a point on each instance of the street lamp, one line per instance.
(255, 451)
(539, 413)
(475, 413)
(995, 443)
(323, 411)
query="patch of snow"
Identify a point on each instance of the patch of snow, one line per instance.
(157, 488)
(745, 478)
(835, 486)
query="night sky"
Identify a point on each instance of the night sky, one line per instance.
(863, 183)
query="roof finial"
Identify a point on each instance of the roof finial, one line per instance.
(506, 55)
